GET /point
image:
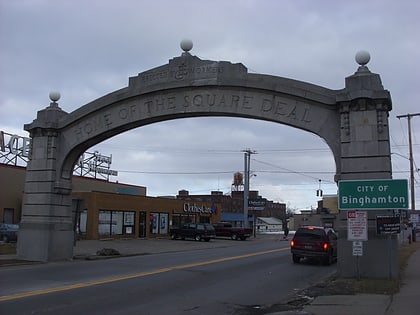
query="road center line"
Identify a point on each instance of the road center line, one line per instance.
(132, 276)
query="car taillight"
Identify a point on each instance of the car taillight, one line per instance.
(292, 243)
(325, 246)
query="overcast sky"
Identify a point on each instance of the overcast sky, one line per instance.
(88, 48)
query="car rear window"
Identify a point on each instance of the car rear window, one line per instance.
(310, 234)
(209, 226)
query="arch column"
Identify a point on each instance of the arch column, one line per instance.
(46, 232)
(364, 108)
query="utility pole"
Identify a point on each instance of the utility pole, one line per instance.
(247, 162)
(413, 199)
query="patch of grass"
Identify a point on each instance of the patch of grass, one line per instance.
(345, 286)
(377, 286)
(8, 249)
(384, 286)
(405, 253)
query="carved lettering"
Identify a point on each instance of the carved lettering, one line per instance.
(153, 76)
(198, 100)
(292, 113)
(235, 100)
(266, 105)
(211, 99)
(186, 101)
(159, 104)
(149, 106)
(94, 125)
(222, 101)
(171, 102)
(246, 103)
(289, 111)
(273, 106)
(305, 117)
(280, 109)
(123, 113)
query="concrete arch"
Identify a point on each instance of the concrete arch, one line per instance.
(123, 110)
(352, 121)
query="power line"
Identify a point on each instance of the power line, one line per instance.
(289, 170)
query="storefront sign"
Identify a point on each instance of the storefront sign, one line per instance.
(14, 144)
(194, 208)
(95, 163)
(256, 204)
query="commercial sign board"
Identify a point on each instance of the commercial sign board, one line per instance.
(14, 149)
(256, 204)
(387, 224)
(357, 226)
(373, 194)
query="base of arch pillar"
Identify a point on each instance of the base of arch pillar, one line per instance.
(45, 242)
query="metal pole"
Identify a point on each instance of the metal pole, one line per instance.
(413, 200)
(246, 186)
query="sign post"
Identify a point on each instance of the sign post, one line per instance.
(357, 231)
(358, 251)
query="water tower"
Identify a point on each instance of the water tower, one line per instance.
(238, 182)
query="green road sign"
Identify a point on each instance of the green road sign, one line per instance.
(373, 194)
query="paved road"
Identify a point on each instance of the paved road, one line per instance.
(220, 277)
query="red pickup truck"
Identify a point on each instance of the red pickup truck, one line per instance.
(227, 230)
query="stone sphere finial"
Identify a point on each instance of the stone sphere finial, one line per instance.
(362, 57)
(54, 96)
(186, 45)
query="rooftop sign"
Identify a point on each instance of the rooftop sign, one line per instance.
(373, 194)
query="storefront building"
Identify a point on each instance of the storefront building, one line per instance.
(104, 209)
(105, 215)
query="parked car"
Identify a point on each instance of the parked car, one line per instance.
(225, 229)
(8, 232)
(196, 231)
(314, 242)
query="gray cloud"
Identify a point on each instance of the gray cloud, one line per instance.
(86, 49)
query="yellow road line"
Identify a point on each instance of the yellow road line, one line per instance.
(132, 276)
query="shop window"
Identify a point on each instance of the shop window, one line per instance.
(81, 222)
(159, 223)
(179, 220)
(8, 215)
(204, 219)
(116, 222)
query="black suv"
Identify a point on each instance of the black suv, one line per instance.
(197, 231)
(314, 242)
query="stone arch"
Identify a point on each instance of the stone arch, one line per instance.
(352, 121)
(105, 118)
